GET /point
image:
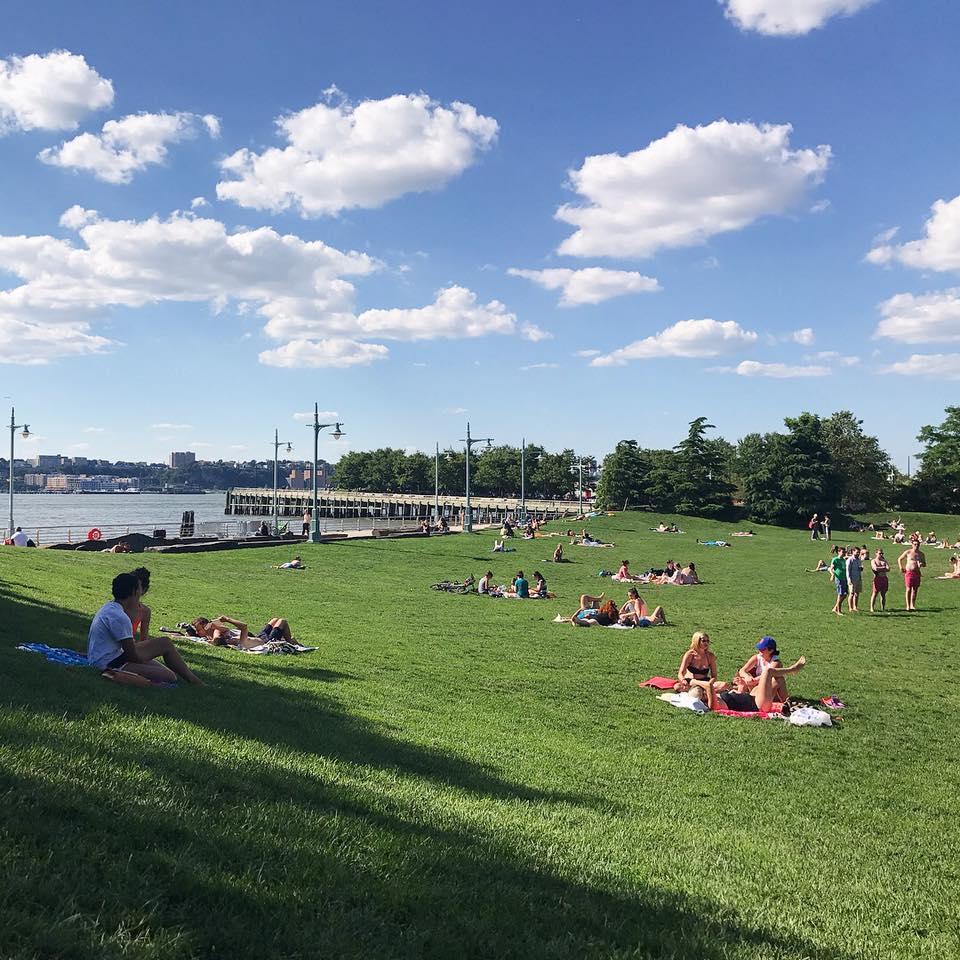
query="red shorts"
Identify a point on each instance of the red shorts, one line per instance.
(911, 579)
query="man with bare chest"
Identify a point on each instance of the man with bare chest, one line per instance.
(910, 562)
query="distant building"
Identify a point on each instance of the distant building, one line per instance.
(47, 461)
(38, 480)
(302, 479)
(183, 459)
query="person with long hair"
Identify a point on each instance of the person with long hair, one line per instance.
(698, 669)
(594, 611)
(881, 582)
(634, 612)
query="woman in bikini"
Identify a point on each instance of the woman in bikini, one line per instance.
(748, 676)
(634, 612)
(698, 669)
(593, 611)
(881, 582)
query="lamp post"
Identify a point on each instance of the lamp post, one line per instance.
(579, 465)
(436, 486)
(470, 441)
(523, 479)
(277, 443)
(337, 434)
(14, 427)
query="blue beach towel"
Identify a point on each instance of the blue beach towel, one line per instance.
(69, 658)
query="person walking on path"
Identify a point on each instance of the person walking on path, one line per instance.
(910, 562)
(838, 566)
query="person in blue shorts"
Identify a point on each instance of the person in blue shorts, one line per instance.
(838, 566)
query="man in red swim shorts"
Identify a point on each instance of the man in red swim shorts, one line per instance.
(910, 562)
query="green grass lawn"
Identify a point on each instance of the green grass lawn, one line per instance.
(461, 777)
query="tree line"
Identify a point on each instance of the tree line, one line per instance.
(815, 464)
(493, 473)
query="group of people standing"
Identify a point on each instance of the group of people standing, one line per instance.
(847, 565)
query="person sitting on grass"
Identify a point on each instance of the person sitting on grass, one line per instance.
(624, 574)
(521, 586)
(748, 676)
(634, 612)
(539, 586)
(689, 576)
(487, 588)
(821, 566)
(141, 622)
(765, 694)
(594, 612)
(110, 644)
(558, 554)
(295, 564)
(954, 573)
(698, 669)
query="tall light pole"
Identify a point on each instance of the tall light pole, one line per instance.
(470, 441)
(337, 434)
(277, 443)
(14, 427)
(436, 486)
(523, 479)
(579, 465)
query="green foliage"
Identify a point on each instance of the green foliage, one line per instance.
(862, 468)
(937, 483)
(623, 480)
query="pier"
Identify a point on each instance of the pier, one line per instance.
(344, 504)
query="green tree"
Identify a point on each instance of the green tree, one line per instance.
(350, 473)
(862, 468)
(496, 472)
(623, 479)
(937, 484)
(699, 470)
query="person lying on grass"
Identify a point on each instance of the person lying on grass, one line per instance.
(766, 693)
(110, 644)
(821, 566)
(634, 612)
(593, 611)
(228, 632)
(698, 669)
(295, 564)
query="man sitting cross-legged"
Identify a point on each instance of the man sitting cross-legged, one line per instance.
(111, 646)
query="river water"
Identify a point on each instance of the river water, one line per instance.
(82, 511)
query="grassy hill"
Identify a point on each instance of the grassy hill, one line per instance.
(458, 776)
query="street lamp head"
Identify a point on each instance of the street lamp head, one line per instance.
(337, 433)
(289, 447)
(26, 432)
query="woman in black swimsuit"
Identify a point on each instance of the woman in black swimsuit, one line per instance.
(698, 668)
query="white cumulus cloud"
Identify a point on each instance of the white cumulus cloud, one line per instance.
(590, 285)
(533, 333)
(341, 155)
(455, 313)
(938, 250)
(928, 318)
(686, 187)
(788, 18)
(65, 285)
(804, 336)
(322, 415)
(834, 356)
(53, 91)
(687, 338)
(941, 366)
(127, 146)
(328, 352)
(778, 371)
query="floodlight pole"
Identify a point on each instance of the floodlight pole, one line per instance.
(14, 427)
(470, 441)
(317, 426)
(579, 465)
(523, 478)
(436, 486)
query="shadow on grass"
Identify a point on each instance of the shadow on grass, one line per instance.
(175, 842)
(245, 859)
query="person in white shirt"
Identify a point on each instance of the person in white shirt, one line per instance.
(19, 538)
(110, 645)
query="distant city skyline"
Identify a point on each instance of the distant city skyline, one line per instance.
(582, 226)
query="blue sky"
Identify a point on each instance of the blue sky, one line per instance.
(715, 187)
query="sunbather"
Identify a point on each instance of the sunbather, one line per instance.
(954, 573)
(229, 632)
(624, 574)
(558, 554)
(764, 694)
(713, 543)
(821, 566)
(748, 676)
(634, 612)
(593, 611)
(698, 669)
(111, 646)
(295, 564)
